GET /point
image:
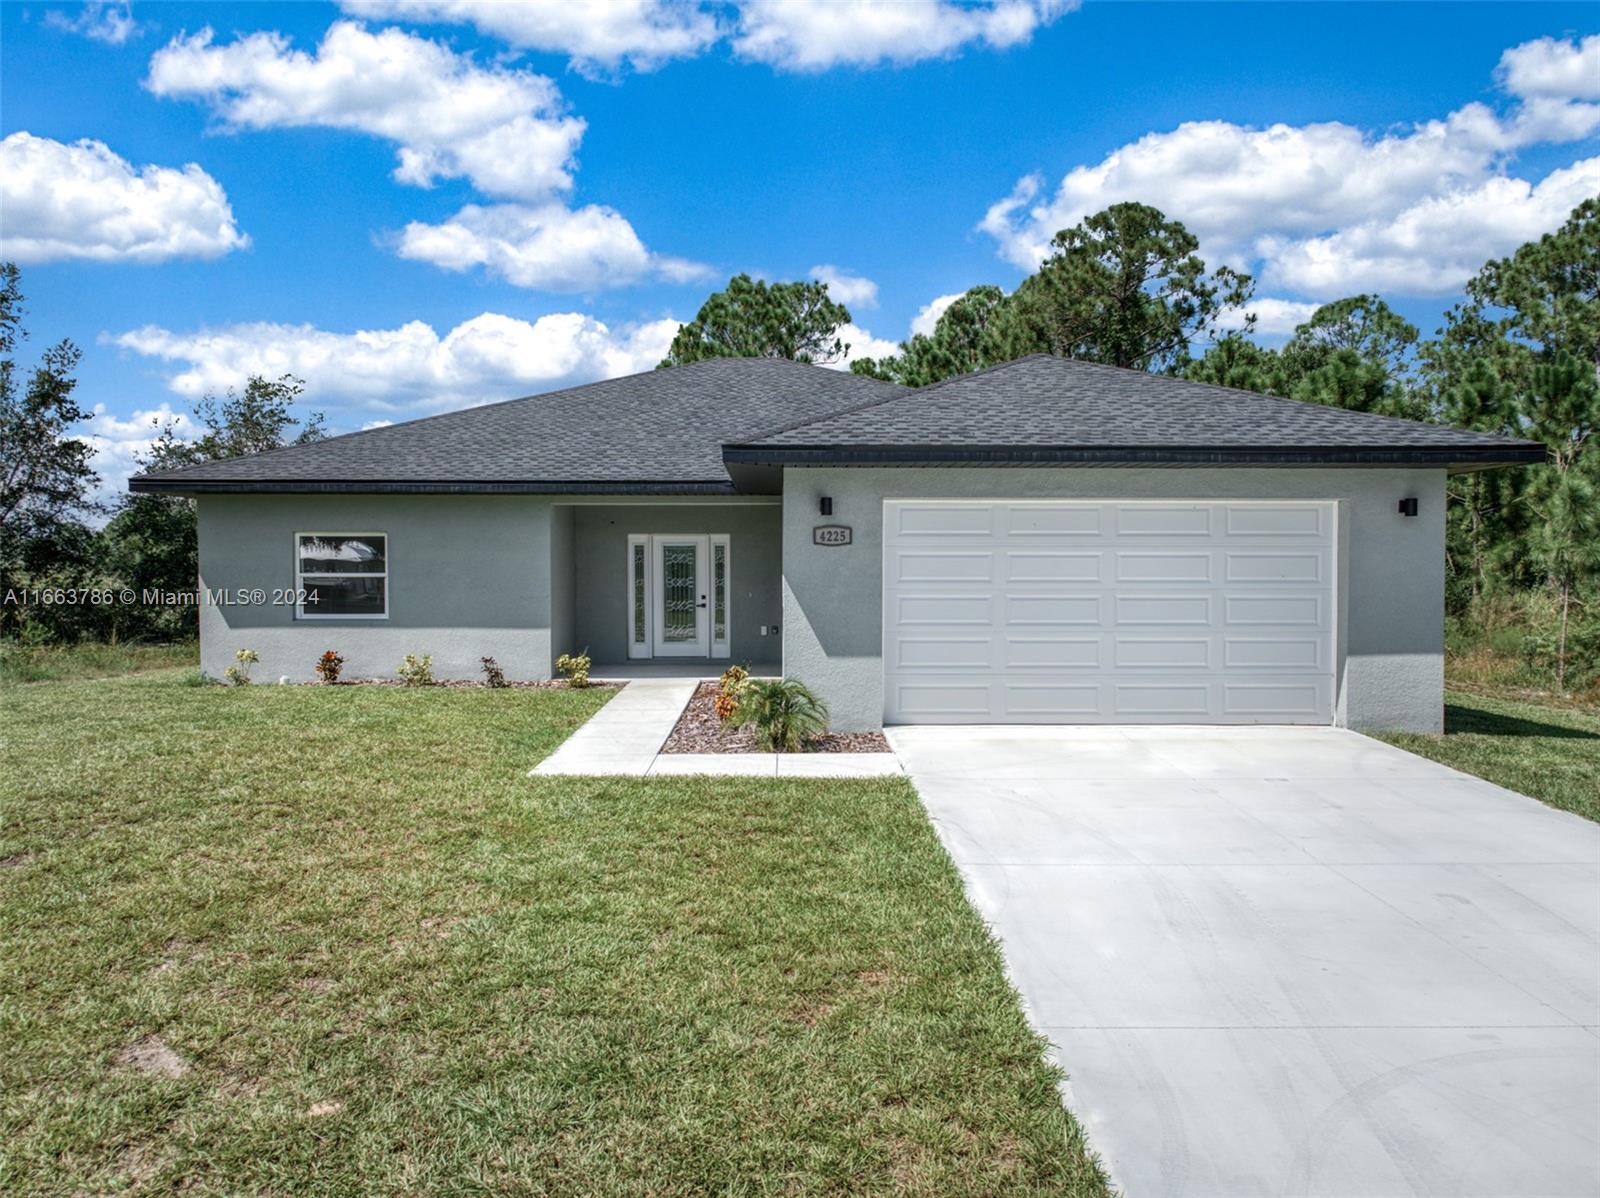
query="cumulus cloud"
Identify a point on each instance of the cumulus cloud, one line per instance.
(791, 35)
(1287, 200)
(108, 21)
(862, 344)
(547, 246)
(927, 317)
(1274, 317)
(505, 129)
(1553, 68)
(120, 442)
(799, 35)
(643, 33)
(84, 201)
(410, 369)
(853, 291)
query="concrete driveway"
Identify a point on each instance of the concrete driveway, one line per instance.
(1282, 961)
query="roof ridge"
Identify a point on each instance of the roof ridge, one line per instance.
(751, 438)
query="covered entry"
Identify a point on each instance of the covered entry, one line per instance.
(1057, 611)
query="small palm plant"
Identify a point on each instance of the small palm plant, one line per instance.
(783, 713)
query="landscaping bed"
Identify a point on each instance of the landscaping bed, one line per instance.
(699, 730)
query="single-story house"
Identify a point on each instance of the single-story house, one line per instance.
(1046, 541)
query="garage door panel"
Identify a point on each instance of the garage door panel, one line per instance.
(1052, 566)
(1077, 611)
(1271, 520)
(1258, 566)
(1061, 610)
(1049, 653)
(1305, 610)
(1163, 520)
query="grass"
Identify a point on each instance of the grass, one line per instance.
(333, 940)
(1551, 753)
(91, 659)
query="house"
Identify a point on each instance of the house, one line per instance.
(1046, 541)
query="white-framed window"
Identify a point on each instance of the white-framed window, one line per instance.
(638, 595)
(721, 594)
(341, 575)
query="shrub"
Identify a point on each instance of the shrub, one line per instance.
(782, 711)
(239, 675)
(328, 667)
(725, 705)
(417, 671)
(493, 676)
(733, 680)
(576, 669)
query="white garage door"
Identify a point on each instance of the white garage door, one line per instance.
(1108, 612)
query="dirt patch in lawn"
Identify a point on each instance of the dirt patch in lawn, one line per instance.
(699, 730)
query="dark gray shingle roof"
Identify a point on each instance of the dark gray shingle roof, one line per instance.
(661, 430)
(1044, 409)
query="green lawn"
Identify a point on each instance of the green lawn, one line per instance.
(91, 659)
(1550, 753)
(298, 940)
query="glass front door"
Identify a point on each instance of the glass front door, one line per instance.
(682, 598)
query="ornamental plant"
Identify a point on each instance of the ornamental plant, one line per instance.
(417, 671)
(493, 676)
(576, 669)
(239, 675)
(783, 713)
(328, 667)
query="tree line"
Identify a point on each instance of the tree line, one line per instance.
(1519, 355)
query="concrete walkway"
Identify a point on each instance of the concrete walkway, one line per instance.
(1288, 961)
(625, 737)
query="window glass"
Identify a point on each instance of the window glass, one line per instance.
(342, 575)
(341, 555)
(719, 592)
(638, 595)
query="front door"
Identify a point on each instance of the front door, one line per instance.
(682, 596)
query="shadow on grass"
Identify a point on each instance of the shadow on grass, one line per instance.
(1458, 719)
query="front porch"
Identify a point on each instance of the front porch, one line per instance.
(680, 590)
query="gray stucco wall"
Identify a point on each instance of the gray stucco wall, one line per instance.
(601, 571)
(563, 589)
(469, 576)
(1389, 644)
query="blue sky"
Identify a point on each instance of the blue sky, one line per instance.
(417, 207)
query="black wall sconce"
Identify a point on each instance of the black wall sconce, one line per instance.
(1408, 506)
(825, 504)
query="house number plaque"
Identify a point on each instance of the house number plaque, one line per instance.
(830, 534)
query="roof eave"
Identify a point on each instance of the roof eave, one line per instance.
(1456, 459)
(145, 485)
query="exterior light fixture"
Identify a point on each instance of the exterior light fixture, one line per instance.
(1408, 506)
(826, 505)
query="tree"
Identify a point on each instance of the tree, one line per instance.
(1353, 353)
(1479, 501)
(1563, 410)
(152, 540)
(754, 319)
(1125, 287)
(955, 347)
(1236, 361)
(46, 478)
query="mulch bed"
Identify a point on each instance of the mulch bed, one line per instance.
(700, 731)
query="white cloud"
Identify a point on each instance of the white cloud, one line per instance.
(119, 443)
(927, 317)
(862, 345)
(853, 291)
(84, 201)
(1285, 200)
(409, 369)
(505, 129)
(108, 21)
(642, 33)
(1274, 317)
(548, 246)
(800, 35)
(1432, 246)
(1553, 68)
